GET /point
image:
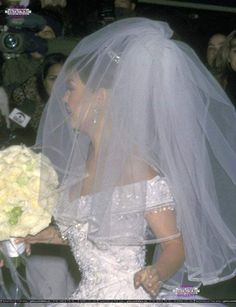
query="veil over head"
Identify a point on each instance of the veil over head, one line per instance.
(154, 105)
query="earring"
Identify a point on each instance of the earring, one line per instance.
(95, 115)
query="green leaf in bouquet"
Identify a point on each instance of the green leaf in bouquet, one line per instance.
(22, 180)
(14, 215)
(30, 166)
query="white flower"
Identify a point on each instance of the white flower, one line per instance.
(28, 192)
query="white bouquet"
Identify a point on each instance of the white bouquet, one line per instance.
(28, 185)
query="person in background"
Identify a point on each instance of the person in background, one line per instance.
(124, 8)
(61, 3)
(109, 11)
(36, 5)
(32, 95)
(4, 106)
(37, 30)
(215, 42)
(4, 101)
(224, 66)
(4, 119)
(49, 71)
(4, 110)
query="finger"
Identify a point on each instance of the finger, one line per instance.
(139, 278)
(151, 283)
(1, 263)
(28, 249)
(142, 276)
(19, 240)
(27, 244)
(152, 289)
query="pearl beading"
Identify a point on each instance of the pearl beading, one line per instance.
(108, 273)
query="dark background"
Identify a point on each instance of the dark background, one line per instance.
(193, 25)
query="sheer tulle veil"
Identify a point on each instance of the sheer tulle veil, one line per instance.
(163, 110)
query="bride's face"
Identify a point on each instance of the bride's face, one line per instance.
(72, 97)
(80, 104)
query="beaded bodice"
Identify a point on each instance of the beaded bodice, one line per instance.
(108, 272)
(103, 268)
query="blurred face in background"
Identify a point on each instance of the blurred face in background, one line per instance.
(61, 3)
(46, 33)
(127, 4)
(124, 8)
(232, 54)
(51, 76)
(214, 44)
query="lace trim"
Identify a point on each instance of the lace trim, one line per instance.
(158, 192)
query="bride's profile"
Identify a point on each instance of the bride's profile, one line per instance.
(162, 141)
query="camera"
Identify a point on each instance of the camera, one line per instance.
(16, 38)
(11, 42)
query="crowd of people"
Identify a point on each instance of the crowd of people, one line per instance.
(133, 173)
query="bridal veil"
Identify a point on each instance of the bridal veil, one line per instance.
(163, 110)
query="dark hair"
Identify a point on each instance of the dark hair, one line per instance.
(106, 67)
(49, 60)
(53, 18)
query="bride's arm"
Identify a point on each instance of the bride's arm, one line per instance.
(49, 235)
(163, 224)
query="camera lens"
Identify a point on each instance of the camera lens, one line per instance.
(11, 41)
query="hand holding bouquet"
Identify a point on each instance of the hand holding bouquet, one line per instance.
(28, 185)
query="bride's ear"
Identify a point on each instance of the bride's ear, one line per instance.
(102, 96)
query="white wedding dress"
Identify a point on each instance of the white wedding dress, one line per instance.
(108, 273)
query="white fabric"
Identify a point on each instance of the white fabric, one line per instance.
(43, 269)
(106, 274)
(155, 106)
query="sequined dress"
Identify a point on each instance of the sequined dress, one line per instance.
(109, 273)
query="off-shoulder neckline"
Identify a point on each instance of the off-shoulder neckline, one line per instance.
(149, 181)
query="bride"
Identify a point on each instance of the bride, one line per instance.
(162, 148)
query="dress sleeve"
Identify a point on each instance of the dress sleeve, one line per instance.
(160, 211)
(159, 196)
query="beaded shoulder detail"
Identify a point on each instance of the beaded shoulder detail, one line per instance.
(159, 194)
